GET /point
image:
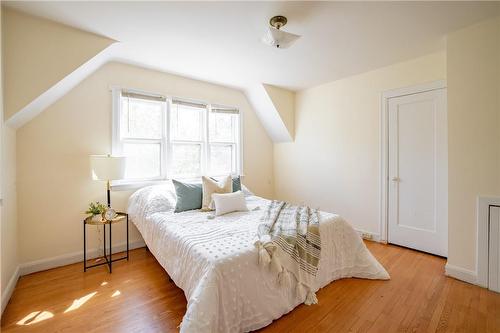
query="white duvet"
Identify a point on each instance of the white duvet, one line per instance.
(215, 263)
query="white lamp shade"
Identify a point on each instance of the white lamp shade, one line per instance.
(279, 38)
(105, 167)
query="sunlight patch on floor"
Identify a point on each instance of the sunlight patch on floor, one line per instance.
(116, 293)
(35, 317)
(79, 302)
(104, 283)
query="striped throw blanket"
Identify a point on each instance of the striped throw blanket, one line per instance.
(289, 243)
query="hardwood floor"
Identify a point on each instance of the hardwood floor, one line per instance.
(138, 297)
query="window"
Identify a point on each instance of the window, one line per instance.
(173, 138)
(223, 137)
(187, 139)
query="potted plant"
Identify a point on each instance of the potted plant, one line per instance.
(95, 210)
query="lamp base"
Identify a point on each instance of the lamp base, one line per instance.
(108, 188)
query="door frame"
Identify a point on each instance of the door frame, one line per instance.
(384, 145)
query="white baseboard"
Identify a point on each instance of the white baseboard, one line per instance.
(368, 235)
(460, 273)
(10, 288)
(71, 258)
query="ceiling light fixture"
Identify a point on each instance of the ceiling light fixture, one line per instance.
(278, 38)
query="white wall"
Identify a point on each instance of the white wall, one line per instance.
(9, 233)
(8, 206)
(473, 57)
(54, 185)
(38, 53)
(334, 162)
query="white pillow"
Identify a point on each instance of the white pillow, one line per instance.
(211, 186)
(151, 199)
(229, 202)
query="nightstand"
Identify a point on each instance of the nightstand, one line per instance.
(108, 260)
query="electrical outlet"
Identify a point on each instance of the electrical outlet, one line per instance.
(366, 235)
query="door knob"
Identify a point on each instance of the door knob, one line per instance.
(396, 179)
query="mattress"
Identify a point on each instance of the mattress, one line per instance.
(214, 261)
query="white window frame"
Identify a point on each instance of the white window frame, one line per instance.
(236, 143)
(167, 142)
(202, 142)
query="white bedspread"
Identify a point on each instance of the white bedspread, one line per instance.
(215, 263)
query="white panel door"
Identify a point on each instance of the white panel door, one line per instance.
(418, 172)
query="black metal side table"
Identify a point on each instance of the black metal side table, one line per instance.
(108, 261)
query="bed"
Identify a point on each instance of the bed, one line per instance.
(214, 261)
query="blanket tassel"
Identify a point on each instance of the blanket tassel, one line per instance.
(284, 279)
(311, 298)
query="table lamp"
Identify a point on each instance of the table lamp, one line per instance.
(107, 168)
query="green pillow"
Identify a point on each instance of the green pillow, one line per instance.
(236, 183)
(189, 196)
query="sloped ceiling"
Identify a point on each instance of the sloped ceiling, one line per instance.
(268, 113)
(39, 55)
(284, 103)
(219, 42)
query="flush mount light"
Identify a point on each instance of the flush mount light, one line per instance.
(278, 38)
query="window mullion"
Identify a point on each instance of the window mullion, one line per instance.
(167, 133)
(164, 143)
(117, 143)
(206, 139)
(239, 145)
(139, 141)
(222, 143)
(187, 142)
(236, 150)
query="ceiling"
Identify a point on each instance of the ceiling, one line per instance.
(220, 41)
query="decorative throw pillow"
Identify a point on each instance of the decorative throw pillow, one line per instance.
(189, 196)
(229, 202)
(211, 186)
(236, 183)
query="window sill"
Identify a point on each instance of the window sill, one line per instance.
(135, 185)
(128, 185)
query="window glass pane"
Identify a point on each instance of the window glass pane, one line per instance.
(141, 118)
(186, 122)
(222, 127)
(186, 160)
(143, 160)
(221, 159)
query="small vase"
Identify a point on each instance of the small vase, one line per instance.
(97, 218)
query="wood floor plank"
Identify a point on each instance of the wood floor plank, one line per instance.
(138, 297)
